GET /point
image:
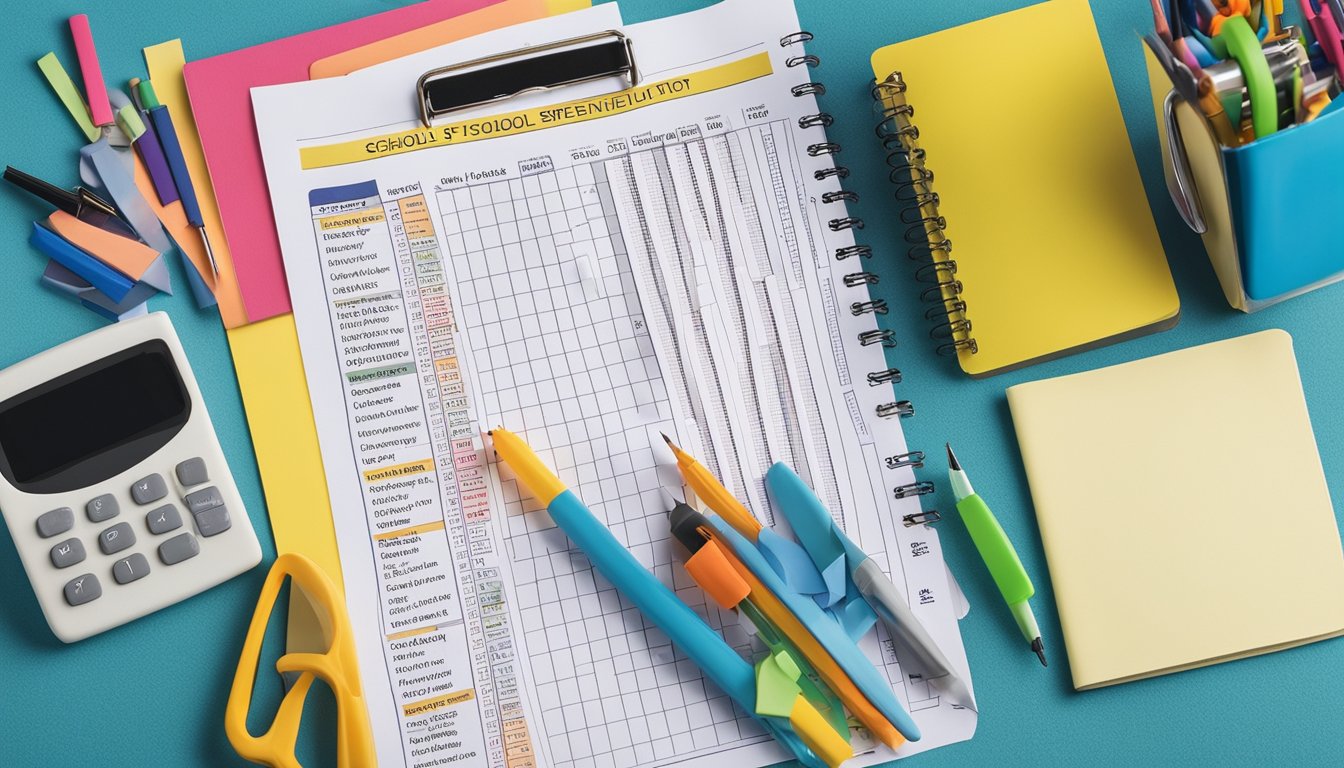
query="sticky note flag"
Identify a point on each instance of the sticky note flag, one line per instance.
(129, 257)
(68, 93)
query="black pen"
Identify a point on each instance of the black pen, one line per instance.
(72, 202)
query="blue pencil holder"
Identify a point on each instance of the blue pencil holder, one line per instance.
(1268, 211)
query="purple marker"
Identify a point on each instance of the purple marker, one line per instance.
(152, 153)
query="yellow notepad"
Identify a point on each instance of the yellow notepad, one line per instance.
(1054, 243)
(1183, 509)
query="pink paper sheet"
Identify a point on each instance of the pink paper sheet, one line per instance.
(221, 100)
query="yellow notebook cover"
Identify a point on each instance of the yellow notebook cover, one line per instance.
(1054, 242)
(1183, 509)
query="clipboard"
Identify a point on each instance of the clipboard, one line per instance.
(503, 76)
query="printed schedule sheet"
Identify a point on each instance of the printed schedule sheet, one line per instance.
(590, 267)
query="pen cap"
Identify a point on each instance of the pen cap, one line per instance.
(715, 575)
(148, 99)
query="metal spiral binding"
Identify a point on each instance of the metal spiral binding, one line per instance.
(919, 224)
(925, 228)
(903, 408)
(917, 488)
(855, 279)
(889, 376)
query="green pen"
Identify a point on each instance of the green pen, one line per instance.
(997, 552)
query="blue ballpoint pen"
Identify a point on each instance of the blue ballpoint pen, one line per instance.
(684, 628)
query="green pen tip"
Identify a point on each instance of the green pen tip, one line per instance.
(952, 462)
(1039, 648)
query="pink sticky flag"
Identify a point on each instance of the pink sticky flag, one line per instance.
(95, 91)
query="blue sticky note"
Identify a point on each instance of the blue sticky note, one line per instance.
(106, 279)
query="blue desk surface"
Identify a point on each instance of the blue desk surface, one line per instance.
(153, 692)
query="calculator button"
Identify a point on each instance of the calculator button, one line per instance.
(131, 568)
(213, 520)
(192, 472)
(148, 490)
(116, 538)
(55, 522)
(83, 589)
(67, 553)
(181, 547)
(102, 508)
(163, 519)
(204, 499)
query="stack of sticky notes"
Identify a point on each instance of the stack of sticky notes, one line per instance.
(107, 250)
(105, 268)
(1183, 508)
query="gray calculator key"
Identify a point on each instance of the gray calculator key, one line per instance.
(192, 472)
(116, 538)
(83, 589)
(163, 519)
(181, 547)
(55, 522)
(102, 508)
(213, 520)
(148, 490)
(130, 568)
(204, 499)
(67, 553)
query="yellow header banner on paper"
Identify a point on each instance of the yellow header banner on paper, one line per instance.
(526, 121)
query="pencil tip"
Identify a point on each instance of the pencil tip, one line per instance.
(952, 462)
(666, 439)
(1039, 648)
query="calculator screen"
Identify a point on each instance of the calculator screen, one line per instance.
(94, 422)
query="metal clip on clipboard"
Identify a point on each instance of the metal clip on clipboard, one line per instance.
(503, 76)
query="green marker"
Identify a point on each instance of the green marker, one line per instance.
(997, 552)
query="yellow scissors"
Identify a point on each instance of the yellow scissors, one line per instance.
(337, 667)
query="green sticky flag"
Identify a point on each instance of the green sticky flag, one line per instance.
(68, 94)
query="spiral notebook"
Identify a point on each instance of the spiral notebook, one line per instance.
(590, 262)
(1183, 509)
(1056, 250)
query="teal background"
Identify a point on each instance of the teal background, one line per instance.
(152, 693)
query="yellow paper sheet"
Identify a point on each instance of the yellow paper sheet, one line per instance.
(284, 436)
(127, 256)
(1053, 238)
(503, 14)
(1183, 508)
(165, 62)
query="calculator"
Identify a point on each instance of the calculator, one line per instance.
(112, 481)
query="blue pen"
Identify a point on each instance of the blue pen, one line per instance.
(826, 632)
(151, 152)
(868, 584)
(684, 628)
(177, 164)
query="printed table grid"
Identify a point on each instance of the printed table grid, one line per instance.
(561, 350)
(547, 241)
